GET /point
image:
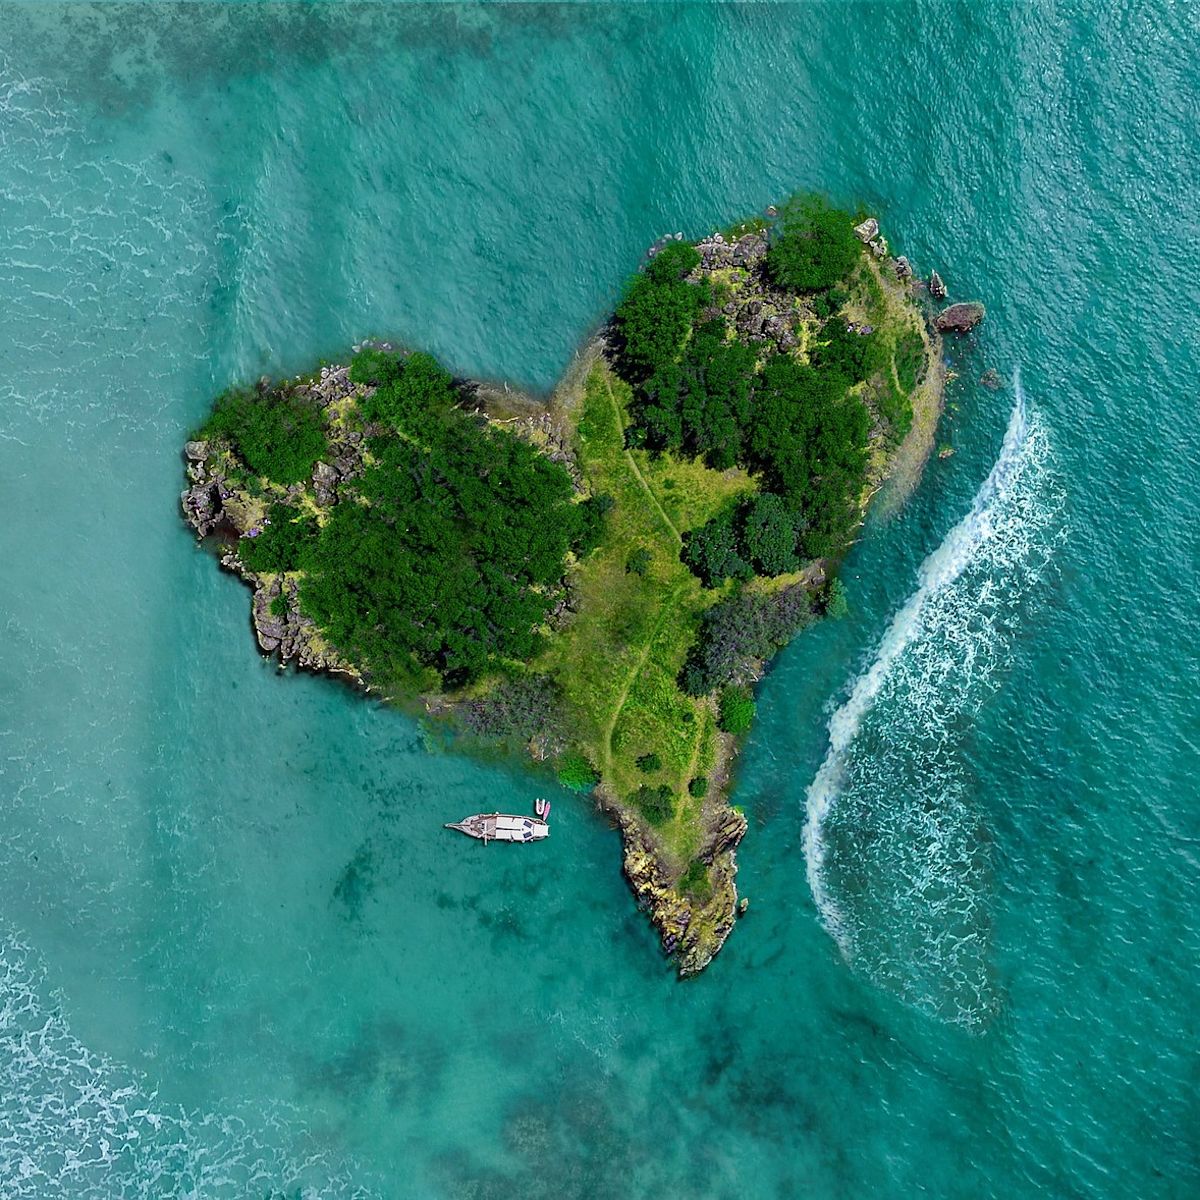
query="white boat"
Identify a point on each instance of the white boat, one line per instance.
(502, 827)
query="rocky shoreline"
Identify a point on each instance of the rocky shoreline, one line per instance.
(691, 930)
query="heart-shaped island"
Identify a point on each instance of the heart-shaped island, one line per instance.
(602, 578)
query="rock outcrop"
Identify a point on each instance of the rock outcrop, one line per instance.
(219, 501)
(937, 289)
(868, 231)
(692, 929)
(959, 318)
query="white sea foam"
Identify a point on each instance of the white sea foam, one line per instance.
(896, 853)
(74, 1123)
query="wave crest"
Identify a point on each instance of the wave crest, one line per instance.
(896, 853)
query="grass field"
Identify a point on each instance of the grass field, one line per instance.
(619, 659)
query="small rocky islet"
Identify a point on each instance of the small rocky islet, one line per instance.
(599, 580)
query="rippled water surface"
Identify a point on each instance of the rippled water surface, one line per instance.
(238, 955)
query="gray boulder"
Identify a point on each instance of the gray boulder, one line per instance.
(867, 231)
(959, 318)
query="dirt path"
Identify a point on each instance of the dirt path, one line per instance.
(662, 512)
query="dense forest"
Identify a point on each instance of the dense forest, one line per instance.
(704, 391)
(447, 551)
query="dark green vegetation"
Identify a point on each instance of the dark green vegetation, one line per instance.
(656, 804)
(737, 710)
(576, 773)
(814, 247)
(452, 547)
(277, 434)
(703, 389)
(744, 627)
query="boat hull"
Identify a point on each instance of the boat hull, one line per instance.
(502, 827)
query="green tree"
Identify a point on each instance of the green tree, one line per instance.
(768, 540)
(278, 433)
(712, 551)
(639, 560)
(649, 763)
(656, 804)
(814, 245)
(737, 710)
(655, 317)
(284, 543)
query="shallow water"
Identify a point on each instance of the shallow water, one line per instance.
(240, 955)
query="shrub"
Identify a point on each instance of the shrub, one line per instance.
(639, 560)
(837, 603)
(519, 707)
(737, 710)
(577, 773)
(285, 543)
(814, 245)
(910, 360)
(695, 881)
(656, 804)
(673, 262)
(590, 516)
(374, 367)
(837, 349)
(698, 787)
(649, 762)
(276, 433)
(739, 629)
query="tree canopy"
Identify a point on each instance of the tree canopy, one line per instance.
(278, 434)
(814, 245)
(448, 551)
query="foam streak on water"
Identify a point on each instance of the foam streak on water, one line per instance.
(75, 1123)
(895, 849)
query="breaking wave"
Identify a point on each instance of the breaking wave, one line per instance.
(896, 853)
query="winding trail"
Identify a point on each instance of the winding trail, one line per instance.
(641, 662)
(662, 512)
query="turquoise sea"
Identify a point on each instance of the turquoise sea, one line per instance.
(238, 955)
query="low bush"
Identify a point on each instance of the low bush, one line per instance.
(698, 787)
(695, 881)
(737, 710)
(910, 360)
(374, 367)
(836, 602)
(656, 804)
(639, 560)
(519, 707)
(576, 773)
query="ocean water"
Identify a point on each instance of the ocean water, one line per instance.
(238, 955)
